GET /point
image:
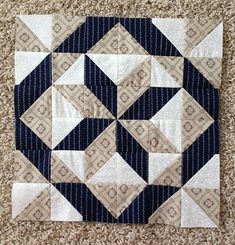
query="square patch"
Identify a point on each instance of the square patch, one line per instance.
(117, 120)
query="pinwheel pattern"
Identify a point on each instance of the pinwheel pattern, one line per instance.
(117, 120)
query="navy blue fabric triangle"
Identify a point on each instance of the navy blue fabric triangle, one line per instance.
(33, 86)
(25, 96)
(26, 139)
(200, 152)
(192, 78)
(83, 134)
(138, 161)
(41, 160)
(41, 76)
(159, 97)
(85, 202)
(87, 35)
(155, 196)
(135, 212)
(97, 27)
(208, 99)
(107, 95)
(101, 86)
(149, 103)
(75, 43)
(140, 109)
(140, 29)
(161, 45)
(94, 76)
(125, 142)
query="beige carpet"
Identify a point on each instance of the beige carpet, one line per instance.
(12, 232)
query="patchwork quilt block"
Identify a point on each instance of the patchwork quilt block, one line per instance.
(117, 120)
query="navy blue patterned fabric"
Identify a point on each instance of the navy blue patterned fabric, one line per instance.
(200, 152)
(26, 139)
(76, 42)
(138, 161)
(137, 212)
(208, 99)
(155, 196)
(40, 77)
(97, 27)
(85, 202)
(149, 103)
(193, 78)
(140, 29)
(83, 134)
(33, 86)
(125, 142)
(158, 97)
(41, 159)
(161, 45)
(94, 76)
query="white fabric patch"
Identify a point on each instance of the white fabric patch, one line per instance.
(117, 67)
(74, 160)
(67, 124)
(192, 215)
(117, 171)
(211, 45)
(171, 130)
(160, 77)
(23, 194)
(107, 174)
(62, 108)
(173, 29)
(127, 63)
(172, 109)
(25, 63)
(126, 174)
(75, 73)
(41, 26)
(208, 176)
(158, 162)
(108, 63)
(62, 209)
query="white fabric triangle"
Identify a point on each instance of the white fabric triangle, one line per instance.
(107, 173)
(192, 215)
(173, 29)
(211, 45)
(126, 174)
(108, 63)
(62, 209)
(25, 63)
(23, 194)
(172, 109)
(61, 127)
(171, 130)
(158, 162)
(41, 26)
(75, 73)
(208, 176)
(127, 63)
(62, 108)
(117, 67)
(160, 77)
(74, 160)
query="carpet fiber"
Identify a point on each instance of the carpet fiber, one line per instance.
(48, 233)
